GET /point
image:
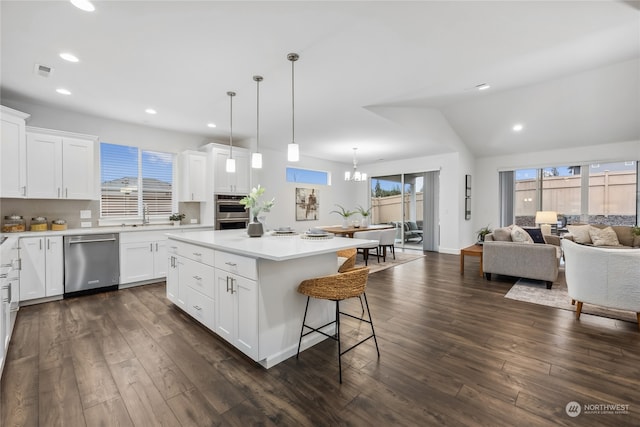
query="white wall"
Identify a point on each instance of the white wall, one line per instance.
(486, 197)
(111, 131)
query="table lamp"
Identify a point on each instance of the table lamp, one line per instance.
(545, 219)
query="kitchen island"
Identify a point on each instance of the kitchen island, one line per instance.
(245, 289)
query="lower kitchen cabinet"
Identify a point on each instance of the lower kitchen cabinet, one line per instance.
(237, 311)
(143, 256)
(175, 293)
(42, 272)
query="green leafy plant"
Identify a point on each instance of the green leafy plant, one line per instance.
(344, 213)
(364, 212)
(483, 232)
(177, 217)
(253, 203)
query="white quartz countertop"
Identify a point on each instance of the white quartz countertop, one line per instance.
(114, 229)
(275, 248)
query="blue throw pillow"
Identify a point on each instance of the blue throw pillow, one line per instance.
(536, 235)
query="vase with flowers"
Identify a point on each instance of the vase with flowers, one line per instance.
(255, 206)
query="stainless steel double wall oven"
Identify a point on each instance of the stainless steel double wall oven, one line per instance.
(230, 214)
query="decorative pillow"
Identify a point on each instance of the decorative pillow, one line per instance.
(536, 235)
(519, 235)
(580, 233)
(625, 234)
(603, 237)
(502, 234)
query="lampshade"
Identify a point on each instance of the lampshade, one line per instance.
(231, 165)
(546, 217)
(256, 160)
(293, 152)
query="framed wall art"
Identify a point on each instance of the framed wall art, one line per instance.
(467, 197)
(307, 204)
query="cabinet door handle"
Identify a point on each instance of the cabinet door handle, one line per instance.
(232, 282)
(156, 247)
(24, 190)
(58, 192)
(40, 244)
(192, 196)
(150, 247)
(48, 244)
(228, 283)
(66, 193)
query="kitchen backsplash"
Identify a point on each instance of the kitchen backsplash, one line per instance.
(69, 210)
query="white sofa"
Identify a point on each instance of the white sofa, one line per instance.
(606, 277)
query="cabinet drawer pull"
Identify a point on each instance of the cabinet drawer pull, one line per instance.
(5, 275)
(231, 264)
(197, 254)
(197, 277)
(197, 307)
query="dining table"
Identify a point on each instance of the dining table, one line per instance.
(348, 231)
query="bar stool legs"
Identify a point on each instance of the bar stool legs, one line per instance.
(336, 337)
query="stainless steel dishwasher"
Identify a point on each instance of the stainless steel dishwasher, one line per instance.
(91, 262)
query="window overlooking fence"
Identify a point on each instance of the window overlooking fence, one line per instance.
(594, 193)
(132, 178)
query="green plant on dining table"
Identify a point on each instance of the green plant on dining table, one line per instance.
(363, 212)
(344, 213)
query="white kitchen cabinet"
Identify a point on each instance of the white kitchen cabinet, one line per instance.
(60, 165)
(193, 173)
(175, 292)
(143, 256)
(42, 263)
(238, 182)
(9, 294)
(237, 304)
(13, 153)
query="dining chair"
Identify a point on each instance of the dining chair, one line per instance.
(366, 248)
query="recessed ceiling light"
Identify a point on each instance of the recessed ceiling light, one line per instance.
(63, 91)
(150, 111)
(85, 5)
(69, 57)
(211, 125)
(517, 127)
(483, 86)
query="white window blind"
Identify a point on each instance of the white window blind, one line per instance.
(131, 178)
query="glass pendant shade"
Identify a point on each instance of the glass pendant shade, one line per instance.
(293, 152)
(231, 165)
(256, 160)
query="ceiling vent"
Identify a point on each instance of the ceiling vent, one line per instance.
(43, 70)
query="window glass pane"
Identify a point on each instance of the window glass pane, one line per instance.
(157, 179)
(307, 176)
(119, 180)
(526, 184)
(612, 193)
(561, 191)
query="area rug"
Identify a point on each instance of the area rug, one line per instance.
(375, 266)
(536, 292)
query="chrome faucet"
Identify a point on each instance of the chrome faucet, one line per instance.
(145, 214)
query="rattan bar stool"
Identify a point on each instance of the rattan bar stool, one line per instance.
(349, 256)
(337, 287)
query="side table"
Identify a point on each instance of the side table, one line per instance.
(473, 250)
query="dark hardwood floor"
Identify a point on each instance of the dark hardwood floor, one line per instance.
(454, 352)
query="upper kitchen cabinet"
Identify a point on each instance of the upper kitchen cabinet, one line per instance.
(13, 153)
(60, 165)
(238, 182)
(193, 174)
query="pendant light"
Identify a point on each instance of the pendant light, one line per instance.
(357, 175)
(256, 158)
(293, 151)
(231, 162)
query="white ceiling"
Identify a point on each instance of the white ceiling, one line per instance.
(395, 79)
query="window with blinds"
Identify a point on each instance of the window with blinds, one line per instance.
(131, 178)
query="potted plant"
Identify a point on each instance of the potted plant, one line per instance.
(364, 213)
(255, 206)
(345, 214)
(483, 232)
(176, 218)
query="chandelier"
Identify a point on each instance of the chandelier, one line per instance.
(356, 175)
